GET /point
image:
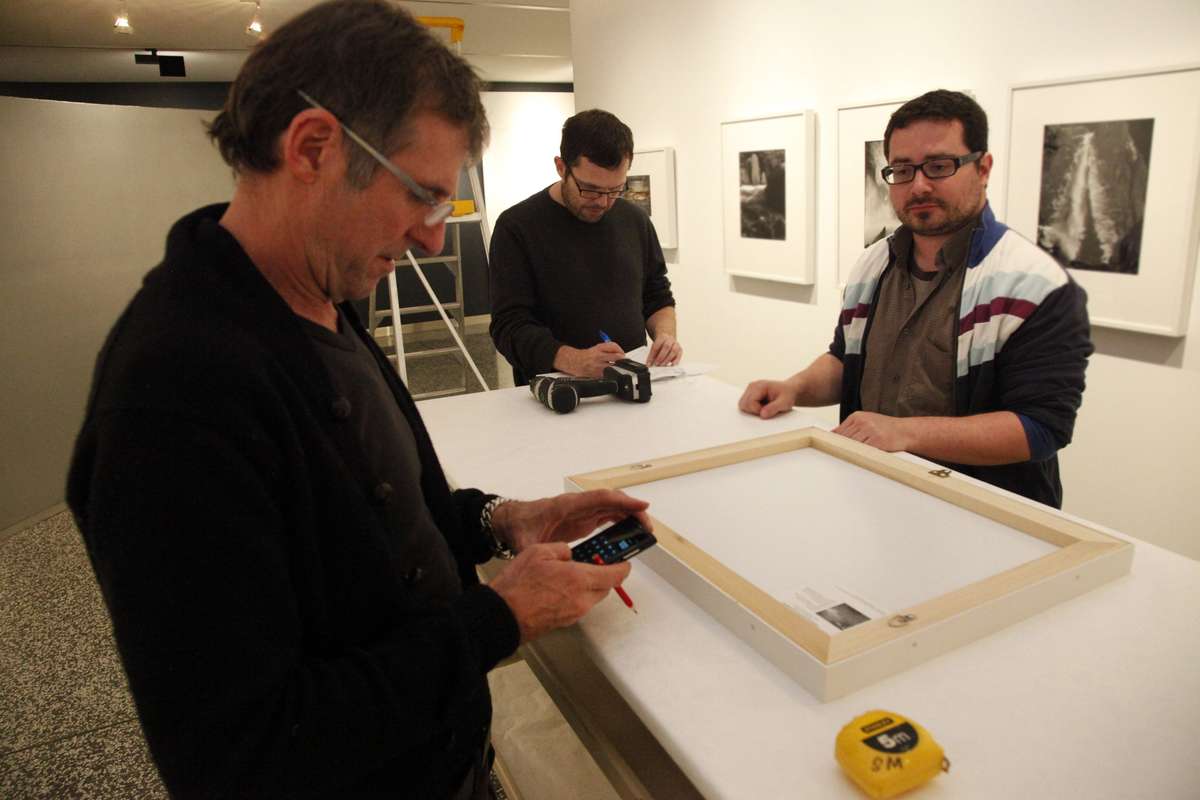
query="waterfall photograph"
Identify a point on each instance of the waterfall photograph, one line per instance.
(1093, 193)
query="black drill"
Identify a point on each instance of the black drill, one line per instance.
(627, 379)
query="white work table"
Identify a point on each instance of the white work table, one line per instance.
(1096, 697)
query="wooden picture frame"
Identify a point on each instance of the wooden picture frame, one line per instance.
(831, 665)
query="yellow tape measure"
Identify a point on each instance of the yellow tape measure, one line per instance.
(887, 754)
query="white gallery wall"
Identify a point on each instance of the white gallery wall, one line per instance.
(674, 70)
(519, 160)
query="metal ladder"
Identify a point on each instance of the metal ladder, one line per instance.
(453, 313)
(465, 212)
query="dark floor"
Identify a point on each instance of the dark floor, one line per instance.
(67, 724)
(448, 371)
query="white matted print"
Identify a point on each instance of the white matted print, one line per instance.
(865, 213)
(1103, 175)
(768, 204)
(650, 185)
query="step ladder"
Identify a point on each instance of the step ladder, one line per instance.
(466, 212)
(452, 312)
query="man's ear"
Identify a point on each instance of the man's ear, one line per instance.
(310, 144)
(561, 166)
(985, 168)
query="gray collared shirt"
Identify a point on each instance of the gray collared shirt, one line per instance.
(908, 370)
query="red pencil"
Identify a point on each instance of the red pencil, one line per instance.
(621, 593)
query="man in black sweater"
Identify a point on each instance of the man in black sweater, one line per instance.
(291, 580)
(577, 273)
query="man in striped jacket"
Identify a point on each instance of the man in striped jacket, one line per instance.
(958, 340)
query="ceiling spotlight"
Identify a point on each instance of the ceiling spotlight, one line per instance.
(255, 28)
(122, 24)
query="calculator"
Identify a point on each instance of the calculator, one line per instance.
(619, 542)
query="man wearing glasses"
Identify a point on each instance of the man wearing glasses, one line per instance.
(958, 340)
(577, 273)
(291, 581)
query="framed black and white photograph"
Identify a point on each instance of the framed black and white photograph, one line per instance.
(1093, 193)
(764, 203)
(650, 185)
(768, 201)
(879, 218)
(1103, 175)
(637, 191)
(865, 213)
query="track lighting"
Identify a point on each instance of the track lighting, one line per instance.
(255, 28)
(122, 24)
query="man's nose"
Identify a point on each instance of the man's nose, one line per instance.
(431, 238)
(921, 182)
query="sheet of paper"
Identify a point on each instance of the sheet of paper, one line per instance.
(684, 369)
(680, 370)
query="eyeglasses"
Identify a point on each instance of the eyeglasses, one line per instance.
(934, 168)
(595, 194)
(439, 209)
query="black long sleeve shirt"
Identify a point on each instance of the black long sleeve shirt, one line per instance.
(557, 280)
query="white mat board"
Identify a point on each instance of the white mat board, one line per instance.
(851, 531)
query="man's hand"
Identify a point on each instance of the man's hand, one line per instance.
(565, 517)
(665, 351)
(589, 363)
(884, 432)
(766, 399)
(546, 589)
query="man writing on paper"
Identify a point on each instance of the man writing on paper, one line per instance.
(577, 274)
(958, 340)
(291, 581)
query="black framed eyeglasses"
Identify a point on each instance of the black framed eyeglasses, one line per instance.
(596, 194)
(439, 209)
(934, 168)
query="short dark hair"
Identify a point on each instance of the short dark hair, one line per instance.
(599, 135)
(942, 104)
(367, 61)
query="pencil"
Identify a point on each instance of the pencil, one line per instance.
(621, 593)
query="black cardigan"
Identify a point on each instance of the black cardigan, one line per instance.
(259, 602)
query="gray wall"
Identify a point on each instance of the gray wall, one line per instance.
(89, 193)
(90, 190)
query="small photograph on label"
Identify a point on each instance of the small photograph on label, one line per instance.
(843, 616)
(834, 608)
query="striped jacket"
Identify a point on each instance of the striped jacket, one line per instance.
(1021, 344)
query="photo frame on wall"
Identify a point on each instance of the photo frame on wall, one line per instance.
(865, 212)
(1104, 174)
(768, 202)
(650, 185)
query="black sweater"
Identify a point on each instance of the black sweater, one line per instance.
(557, 280)
(270, 621)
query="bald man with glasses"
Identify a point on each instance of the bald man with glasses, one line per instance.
(958, 339)
(577, 274)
